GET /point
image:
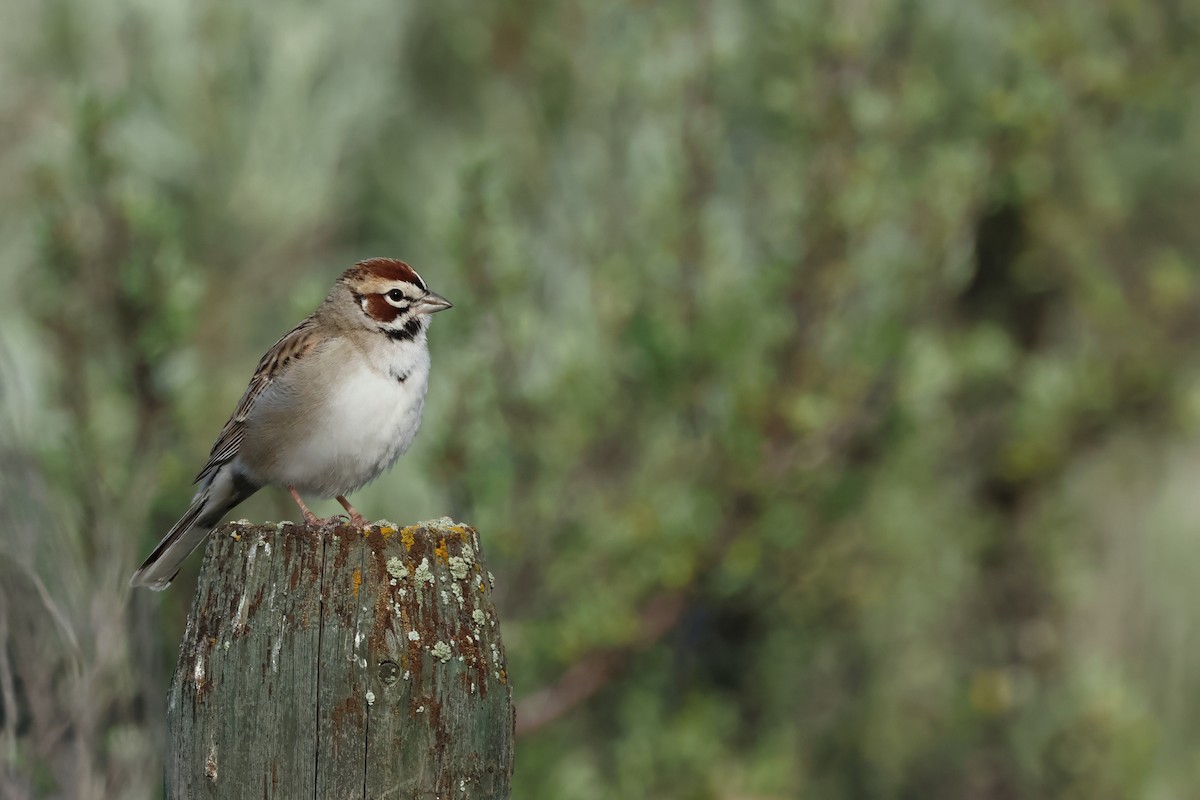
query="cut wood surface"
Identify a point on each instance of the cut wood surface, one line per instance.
(341, 663)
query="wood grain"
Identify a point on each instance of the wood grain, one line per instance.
(333, 663)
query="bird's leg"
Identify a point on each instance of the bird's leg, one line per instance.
(310, 518)
(356, 518)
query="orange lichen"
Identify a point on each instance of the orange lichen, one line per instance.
(440, 551)
(406, 536)
(357, 579)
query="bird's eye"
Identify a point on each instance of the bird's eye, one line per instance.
(395, 295)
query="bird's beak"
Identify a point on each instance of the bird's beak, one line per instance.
(432, 303)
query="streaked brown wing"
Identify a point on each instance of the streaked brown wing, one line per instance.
(295, 345)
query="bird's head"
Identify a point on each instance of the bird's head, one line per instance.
(392, 297)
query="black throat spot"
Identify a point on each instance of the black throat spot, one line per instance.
(406, 333)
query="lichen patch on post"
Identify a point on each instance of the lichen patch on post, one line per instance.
(396, 568)
(458, 567)
(443, 525)
(423, 573)
(408, 536)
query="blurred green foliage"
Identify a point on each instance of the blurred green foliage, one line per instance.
(824, 376)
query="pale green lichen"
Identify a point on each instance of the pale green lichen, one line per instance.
(370, 697)
(423, 573)
(478, 616)
(459, 567)
(413, 636)
(439, 524)
(396, 568)
(441, 651)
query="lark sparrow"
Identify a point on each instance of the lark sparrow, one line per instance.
(332, 405)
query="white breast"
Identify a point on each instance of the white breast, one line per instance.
(365, 418)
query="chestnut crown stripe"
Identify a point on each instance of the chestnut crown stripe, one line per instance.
(386, 269)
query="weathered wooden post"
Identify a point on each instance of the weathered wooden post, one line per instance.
(341, 664)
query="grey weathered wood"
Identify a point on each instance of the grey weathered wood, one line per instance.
(337, 664)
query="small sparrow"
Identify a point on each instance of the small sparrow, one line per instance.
(331, 405)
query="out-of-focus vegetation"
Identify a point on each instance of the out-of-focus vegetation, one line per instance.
(824, 377)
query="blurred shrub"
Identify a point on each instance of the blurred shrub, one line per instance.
(813, 373)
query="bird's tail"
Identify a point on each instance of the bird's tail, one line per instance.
(207, 508)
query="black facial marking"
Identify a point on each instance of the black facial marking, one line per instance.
(406, 333)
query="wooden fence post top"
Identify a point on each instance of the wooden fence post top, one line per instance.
(341, 662)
